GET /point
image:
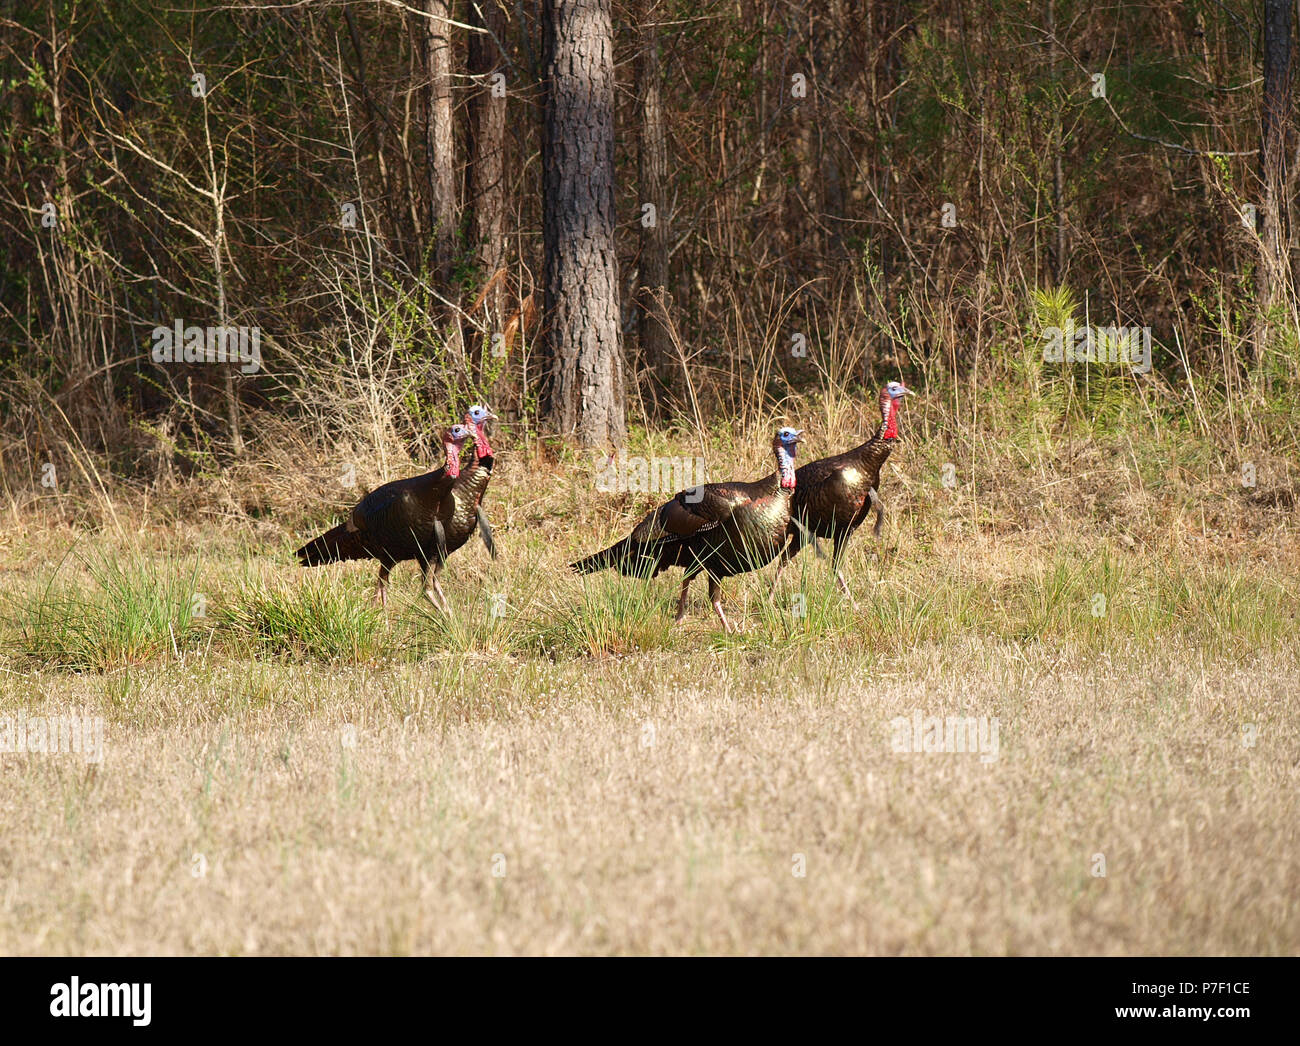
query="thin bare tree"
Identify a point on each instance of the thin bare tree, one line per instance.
(652, 169)
(440, 137)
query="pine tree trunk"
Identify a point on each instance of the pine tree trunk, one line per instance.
(585, 395)
(485, 192)
(654, 281)
(441, 156)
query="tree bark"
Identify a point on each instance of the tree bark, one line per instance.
(485, 191)
(585, 396)
(652, 170)
(440, 132)
(1275, 127)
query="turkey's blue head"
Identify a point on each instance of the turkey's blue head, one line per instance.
(784, 444)
(452, 440)
(476, 419)
(890, 396)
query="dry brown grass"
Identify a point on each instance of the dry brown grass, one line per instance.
(648, 805)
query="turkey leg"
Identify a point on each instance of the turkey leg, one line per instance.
(681, 603)
(837, 555)
(715, 597)
(432, 590)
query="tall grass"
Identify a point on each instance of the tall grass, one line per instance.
(123, 610)
(315, 616)
(1069, 474)
(609, 615)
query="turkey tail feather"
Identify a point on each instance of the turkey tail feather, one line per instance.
(485, 532)
(633, 558)
(807, 537)
(332, 546)
(610, 557)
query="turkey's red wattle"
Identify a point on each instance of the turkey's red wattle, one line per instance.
(891, 421)
(453, 460)
(785, 468)
(481, 446)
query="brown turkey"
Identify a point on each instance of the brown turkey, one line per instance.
(833, 496)
(721, 529)
(404, 519)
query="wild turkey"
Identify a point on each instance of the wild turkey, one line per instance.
(834, 496)
(720, 528)
(404, 519)
(465, 511)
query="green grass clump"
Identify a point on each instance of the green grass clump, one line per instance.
(124, 611)
(609, 615)
(317, 617)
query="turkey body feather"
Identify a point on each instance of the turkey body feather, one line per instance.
(833, 496)
(465, 515)
(720, 529)
(393, 523)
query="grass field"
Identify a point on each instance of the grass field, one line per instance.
(287, 769)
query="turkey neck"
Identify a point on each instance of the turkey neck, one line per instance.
(481, 459)
(474, 476)
(873, 453)
(772, 484)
